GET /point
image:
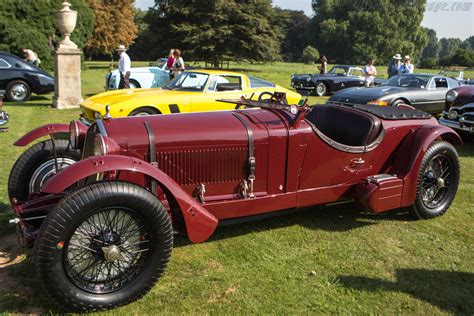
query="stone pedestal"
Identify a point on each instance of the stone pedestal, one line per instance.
(67, 73)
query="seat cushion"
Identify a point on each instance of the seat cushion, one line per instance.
(345, 125)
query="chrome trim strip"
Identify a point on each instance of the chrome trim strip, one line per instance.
(454, 125)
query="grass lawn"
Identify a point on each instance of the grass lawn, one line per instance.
(337, 259)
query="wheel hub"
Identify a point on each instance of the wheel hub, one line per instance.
(112, 253)
(18, 91)
(440, 183)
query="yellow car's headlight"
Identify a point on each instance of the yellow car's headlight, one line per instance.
(378, 102)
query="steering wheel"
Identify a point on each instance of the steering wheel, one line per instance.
(272, 98)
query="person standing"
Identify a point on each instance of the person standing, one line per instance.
(170, 63)
(394, 65)
(124, 66)
(178, 65)
(407, 67)
(31, 57)
(370, 73)
(324, 65)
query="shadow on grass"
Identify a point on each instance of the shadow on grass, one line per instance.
(450, 291)
(337, 218)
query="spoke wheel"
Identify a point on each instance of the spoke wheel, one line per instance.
(103, 245)
(438, 180)
(108, 250)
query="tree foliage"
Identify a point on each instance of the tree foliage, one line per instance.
(293, 38)
(28, 24)
(214, 29)
(350, 31)
(310, 54)
(114, 25)
(448, 47)
(432, 48)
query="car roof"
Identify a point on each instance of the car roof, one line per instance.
(9, 55)
(215, 72)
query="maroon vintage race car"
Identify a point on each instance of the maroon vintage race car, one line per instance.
(101, 207)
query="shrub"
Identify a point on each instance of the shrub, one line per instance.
(310, 54)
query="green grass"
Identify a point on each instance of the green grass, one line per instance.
(336, 259)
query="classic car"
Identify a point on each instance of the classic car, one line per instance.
(459, 109)
(154, 76)
(191, 91)
(103, 226)
(457, 75)
(425, 92)
(3, 115)
(19, 79)
(338, 78)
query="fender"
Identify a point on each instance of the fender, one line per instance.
(200, 224)
(419, 142)
(41, 131)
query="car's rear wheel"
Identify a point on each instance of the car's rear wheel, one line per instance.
(144, 112)
(134, 84)
(37, 164)
(18, 91)
(103, 245)
(438, 180)
(321, 89)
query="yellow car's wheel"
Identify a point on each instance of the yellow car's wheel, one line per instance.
(145, 111)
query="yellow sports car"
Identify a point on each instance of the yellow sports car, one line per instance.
(191, 91)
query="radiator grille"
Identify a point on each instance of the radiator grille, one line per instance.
(212, 165)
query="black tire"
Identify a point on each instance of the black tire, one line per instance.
(396, 103)
(57, 257)
(134, 83)
(18, 91)
(39, 158)
(144, 112)
(440, 171)
(321, 89)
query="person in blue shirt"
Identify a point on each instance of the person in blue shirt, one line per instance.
(407, 67)
(394, 65)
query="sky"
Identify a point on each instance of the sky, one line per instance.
(449, 18)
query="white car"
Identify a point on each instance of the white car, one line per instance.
(141, 77)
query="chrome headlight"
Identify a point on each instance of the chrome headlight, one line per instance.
(73, 134)
(452, 115)
(308, 79)
(451, 95)
(100, 148)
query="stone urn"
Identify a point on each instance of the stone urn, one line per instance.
(66, 22)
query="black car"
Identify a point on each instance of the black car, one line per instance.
(423, 91)
(19, 79)
(338, 78)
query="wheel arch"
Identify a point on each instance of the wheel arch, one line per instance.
(417, 142)
(404, 99)
(155, 108)
(199, 223)
(48, 129)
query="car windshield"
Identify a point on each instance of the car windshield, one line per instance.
(453, 74)
(189, 81)
(411, 81)
(338, 70)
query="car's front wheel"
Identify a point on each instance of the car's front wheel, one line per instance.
(134, 84)
(37, 164)
(103, 245)
(438, 180)
(18, 91)
(321, 89)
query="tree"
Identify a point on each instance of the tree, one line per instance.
(293, 25)
(215, 29)
(310, 54)
(462, 57)
(468, 43)
(114, 24)
(448, 47)
(350, 31)
(28, 24)
(432, 48)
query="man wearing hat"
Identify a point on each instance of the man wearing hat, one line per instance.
(124, 66)
(394, 65)
(407, 67)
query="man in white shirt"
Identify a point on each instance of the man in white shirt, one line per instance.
(370, 73)
(407, 67)
(124, 65)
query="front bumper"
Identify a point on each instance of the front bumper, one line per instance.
(301, 85)
(457, 125)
